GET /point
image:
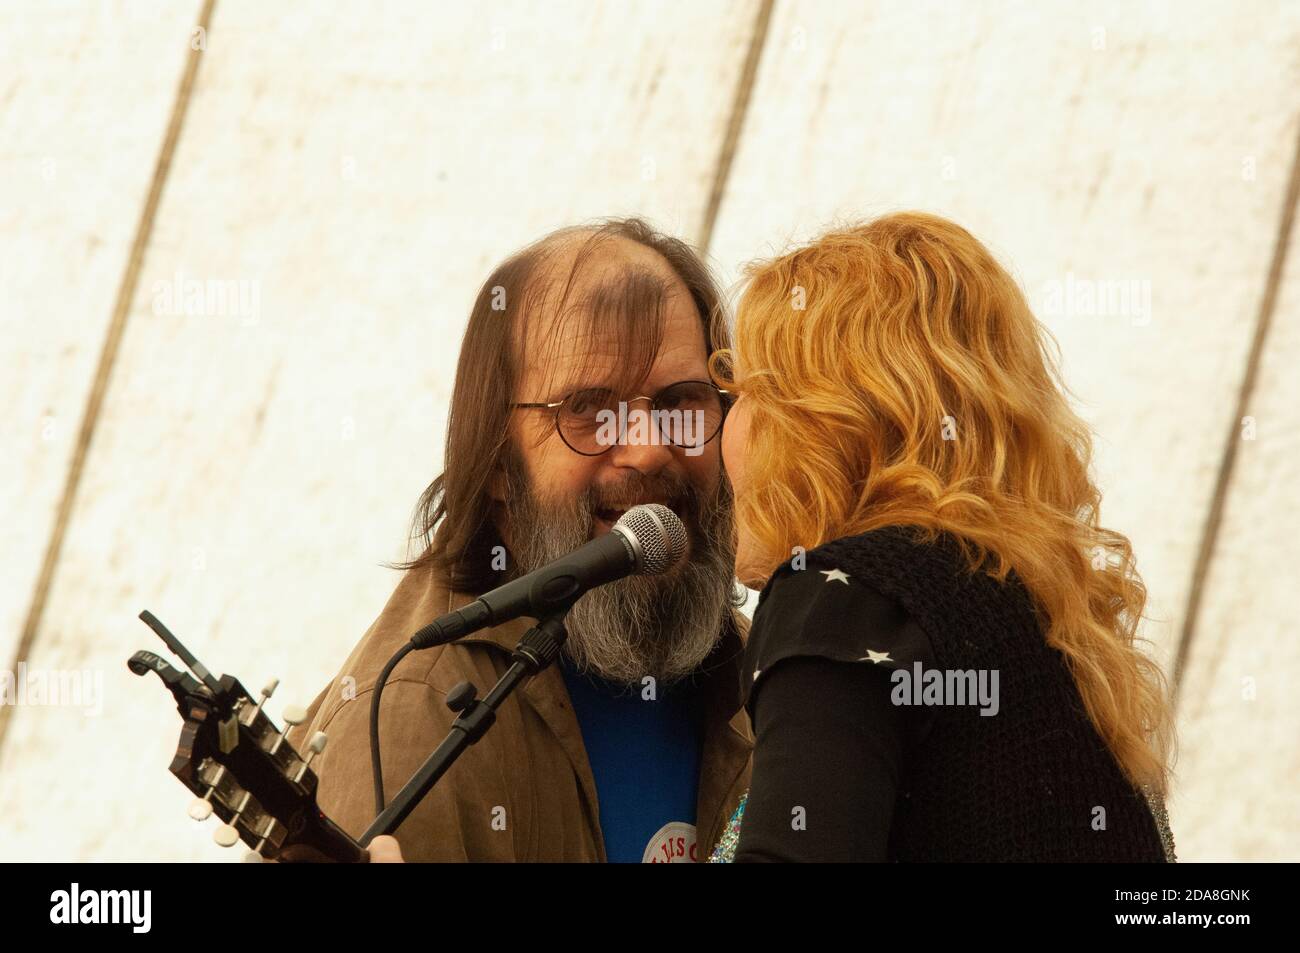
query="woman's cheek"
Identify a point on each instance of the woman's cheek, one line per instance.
(735, 436)
(735, 433)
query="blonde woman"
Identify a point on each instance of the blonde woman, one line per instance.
(943, 663)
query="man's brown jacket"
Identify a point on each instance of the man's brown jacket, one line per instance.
(525, 791)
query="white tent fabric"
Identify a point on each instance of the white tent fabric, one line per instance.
(344, 178)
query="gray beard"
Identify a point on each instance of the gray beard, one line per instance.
(659, 626)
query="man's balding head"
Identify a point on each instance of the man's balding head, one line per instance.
(596, 300)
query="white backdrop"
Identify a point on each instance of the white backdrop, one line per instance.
(347, 175)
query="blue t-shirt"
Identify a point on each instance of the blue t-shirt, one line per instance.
(644, 749)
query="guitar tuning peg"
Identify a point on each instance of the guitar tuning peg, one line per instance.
(294, 714)
(254, 856)
(201, 808)
(226, 836)
(267, 691)
(314, 747)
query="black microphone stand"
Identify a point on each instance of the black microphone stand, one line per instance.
(539, 647)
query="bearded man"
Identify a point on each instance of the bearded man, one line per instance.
(633, 746)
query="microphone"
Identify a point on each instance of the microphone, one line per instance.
(647, 540)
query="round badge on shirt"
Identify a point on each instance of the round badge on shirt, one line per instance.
(674, 843)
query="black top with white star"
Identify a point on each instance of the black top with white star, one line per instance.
(819, 658)
(825, 613)
(838, 771)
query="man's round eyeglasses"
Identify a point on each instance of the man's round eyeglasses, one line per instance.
(687, 414)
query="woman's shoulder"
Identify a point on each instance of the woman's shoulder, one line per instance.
(833, 577)
(811, 606)
(893, 550)
(813, 586)
(949, 585)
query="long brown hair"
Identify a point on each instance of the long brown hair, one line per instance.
(896, 376)
(453, 519)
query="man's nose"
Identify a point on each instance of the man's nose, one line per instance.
(641, 446)
(646, 457)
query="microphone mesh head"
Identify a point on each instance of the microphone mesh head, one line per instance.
(662, 537)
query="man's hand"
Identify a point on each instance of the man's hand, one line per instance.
(384, 849)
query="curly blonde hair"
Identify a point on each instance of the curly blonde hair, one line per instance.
(895, 375)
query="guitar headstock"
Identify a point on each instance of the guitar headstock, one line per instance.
(241, 767)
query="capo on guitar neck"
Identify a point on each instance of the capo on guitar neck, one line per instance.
(182, 686)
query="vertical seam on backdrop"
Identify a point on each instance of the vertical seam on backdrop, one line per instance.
(1223, 482)
(107, 357)
(735, 122)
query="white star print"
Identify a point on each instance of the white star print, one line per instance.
(836, 575)
(876, 657)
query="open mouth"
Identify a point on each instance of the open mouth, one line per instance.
(612, 514)
(609, 515)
